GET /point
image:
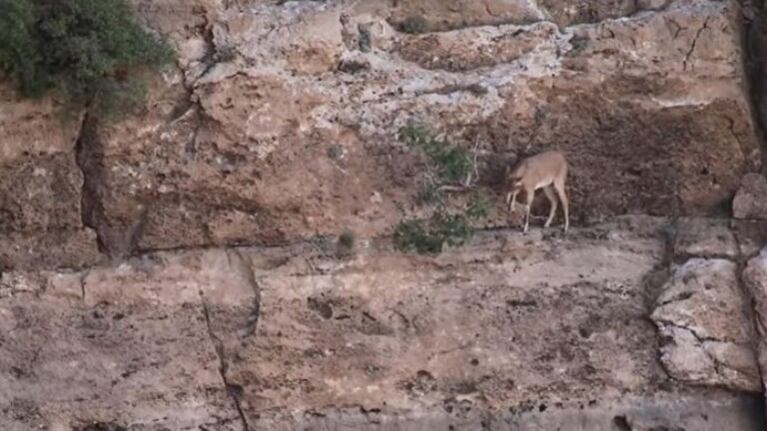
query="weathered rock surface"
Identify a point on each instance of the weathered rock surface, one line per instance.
(40, 188)
(536, 332)
(282, 121)
(279, 123)
(706, 329)
(705, 237)
(755, 278)
(751, 200)
(128, 345)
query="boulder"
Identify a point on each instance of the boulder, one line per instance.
(751, 199)
(705, 327)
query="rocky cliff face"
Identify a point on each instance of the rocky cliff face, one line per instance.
(280, 122)
(224, 308)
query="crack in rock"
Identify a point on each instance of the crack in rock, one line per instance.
(221, 353)
(694, 42)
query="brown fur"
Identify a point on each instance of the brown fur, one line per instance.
(547, 171)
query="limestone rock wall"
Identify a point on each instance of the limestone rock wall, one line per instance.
(280, 121)
(40, 188)
(226, 307)
(535, 332)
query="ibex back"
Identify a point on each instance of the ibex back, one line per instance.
(547, 170)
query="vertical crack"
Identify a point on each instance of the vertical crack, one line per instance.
(694, 42)
(753, 36)
(222, 367)
(88, 160)
(751, 308)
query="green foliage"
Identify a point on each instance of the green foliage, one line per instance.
(414, 24)
(429, 194)
(430, 236)
(345, 244)
(453, 163)
(346, 239)
(91, 53)
(579, 44)
(479, 206)
(335, 152)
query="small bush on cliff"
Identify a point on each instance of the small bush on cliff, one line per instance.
(345, 244)
(452, 163)
(91, 53)
(430, 236)
(448, 165)
(414, 24)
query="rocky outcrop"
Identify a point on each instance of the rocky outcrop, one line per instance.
(535, 332)
(703, 318)
(279, 124)
(281, 121)
(755, 278)
(751, 200)
(40, 187)
(703, 312)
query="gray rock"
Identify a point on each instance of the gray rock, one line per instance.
(751, 200)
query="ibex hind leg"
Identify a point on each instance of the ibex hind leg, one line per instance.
(529, 194)
(551, 195)
(559, 185)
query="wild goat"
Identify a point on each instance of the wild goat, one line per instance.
(547, 170)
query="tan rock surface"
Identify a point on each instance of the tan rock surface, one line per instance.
(536, 331)
(705, 237)
(751, 200)
(755, 279)
(279, 124)
(40, 187)
(286, 126)
(705, 326)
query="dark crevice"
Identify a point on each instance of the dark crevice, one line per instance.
(754, 41)
(694, 42)
(751, 306)
(233, 391)
(116, 238)
(89, 159)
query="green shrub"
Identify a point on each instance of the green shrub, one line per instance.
(414, 24)
(346, 239)
(448, 165)
(345, 244)
(452, 163)
(90, 53)
(430, 236)
(429, 194)
(579, 45)
(479, 206)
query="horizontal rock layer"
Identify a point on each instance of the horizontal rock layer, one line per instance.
(536, 331)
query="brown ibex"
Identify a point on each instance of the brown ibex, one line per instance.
(547, 170)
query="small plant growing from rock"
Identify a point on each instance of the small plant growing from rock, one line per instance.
(452, 163)
(414, 24)
(450, 168)
(430, 236)
(365, 43)
(90, 54)
(579, 45)
(335, 152)
(345, 244)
